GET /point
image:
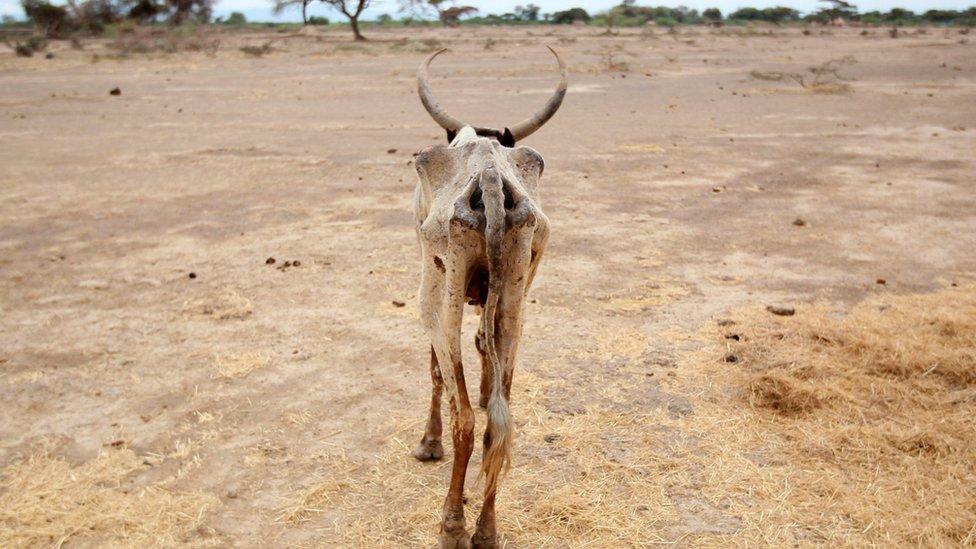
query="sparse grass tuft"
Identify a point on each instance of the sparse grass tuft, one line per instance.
(237, 366)
(47, 502)
(770, 76)
(158, 40)
(226, 305)
(785, 395)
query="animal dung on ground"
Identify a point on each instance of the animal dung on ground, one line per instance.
(781, 310)
(286, 264)
(391, 151)
(192, 275)
(799, 222)
(881, 281)
(398, 303)
(269, 261)
(115, 91)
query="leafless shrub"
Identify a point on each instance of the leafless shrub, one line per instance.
(825, 78)
(426, 45)
(257, 51)
(610, 56)
(163, 41)
(771, 76)
(28, 47)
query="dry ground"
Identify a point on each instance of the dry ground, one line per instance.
(255, 404)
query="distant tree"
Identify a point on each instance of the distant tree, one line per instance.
(838, 9)
(529, 12)
(384, 19)
(570, 16)
(940, 16)
(780, 14)
(181, 11)
(281, 5)
(53, 21)
(352, 9)
(318, 20)
(452, 16)
(899, 14)
(445, 10)
(93, 15)
(773, 15)
(236, 18)
(746, 14)
(712, 14)
(145, 11)
(628, 13)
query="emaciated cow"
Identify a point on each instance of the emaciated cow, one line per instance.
(482, 233)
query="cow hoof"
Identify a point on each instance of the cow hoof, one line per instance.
(482, 540)
(483, 401)
(454, 540)
(428, 450)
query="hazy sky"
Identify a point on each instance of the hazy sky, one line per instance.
(260, 10)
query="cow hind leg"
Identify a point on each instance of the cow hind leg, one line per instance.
(484, 536)
(453, 535)
(430, 447)
(508, 321)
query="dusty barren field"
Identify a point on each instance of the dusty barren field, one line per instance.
(162, 383)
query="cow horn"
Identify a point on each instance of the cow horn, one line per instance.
(434, 109)
(519, 131)
(524, 129)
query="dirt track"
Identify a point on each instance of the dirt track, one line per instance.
(672, 186)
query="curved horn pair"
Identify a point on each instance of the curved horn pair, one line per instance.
(519, 131)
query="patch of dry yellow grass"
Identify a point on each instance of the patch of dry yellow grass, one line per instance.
(851, 429)
(642, 148)
(239, 365)
(647, 297)
(47, 502)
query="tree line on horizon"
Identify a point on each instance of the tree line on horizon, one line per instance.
(94, 16)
